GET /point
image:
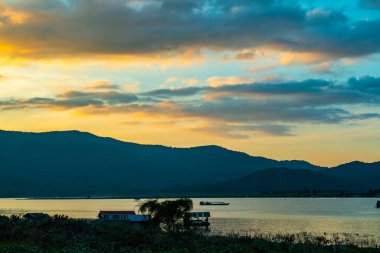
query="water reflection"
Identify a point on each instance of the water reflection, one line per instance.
(244, 216)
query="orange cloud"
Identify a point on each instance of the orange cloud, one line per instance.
(12, 15)
(299, 58)
(242, 55)
(217, 81)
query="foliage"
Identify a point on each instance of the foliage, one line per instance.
(60, 234)
(170, 213)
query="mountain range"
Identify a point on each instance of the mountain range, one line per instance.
(73, 163)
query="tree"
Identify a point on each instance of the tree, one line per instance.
(151, 208)
(169, 213)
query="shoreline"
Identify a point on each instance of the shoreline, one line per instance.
(162, 196)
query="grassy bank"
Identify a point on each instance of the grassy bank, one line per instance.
(61, 234)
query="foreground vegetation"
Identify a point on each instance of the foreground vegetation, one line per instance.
(62, 234)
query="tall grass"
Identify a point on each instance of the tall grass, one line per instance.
(60, 234)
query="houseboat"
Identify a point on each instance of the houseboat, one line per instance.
(197, 219)
(115, 215)
(127, 216)
(209, 203)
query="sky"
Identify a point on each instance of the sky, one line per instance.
(281, 79)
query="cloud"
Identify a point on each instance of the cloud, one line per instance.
(110, 97)
(70, 100)
(102, 85)
(294, 58)
(242, 55)
(366, 84)
(246, 110)
(327, 68)
(370, 3)
(180, 92)
(312, 92)
(236, 110)
(259, 69)
(319, 17)
(309, 101)
(217, 81)
(243, 131)
(53, 29)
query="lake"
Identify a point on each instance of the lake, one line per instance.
(245, 216)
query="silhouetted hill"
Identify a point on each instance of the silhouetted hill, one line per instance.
(272, 180)
(366, 174)
(73, 163)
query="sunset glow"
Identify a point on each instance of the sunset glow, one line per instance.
(306, 85)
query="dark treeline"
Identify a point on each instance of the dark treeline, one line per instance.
(62, 234)
(306, 192)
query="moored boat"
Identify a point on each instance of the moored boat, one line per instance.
(197, 219)
(210, 203)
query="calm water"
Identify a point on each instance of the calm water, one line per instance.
(356, 216)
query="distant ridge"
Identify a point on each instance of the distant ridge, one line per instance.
(73, 163)
(274, 180)
(366, 174)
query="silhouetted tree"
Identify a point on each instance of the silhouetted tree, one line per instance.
(169, 213)
(151, 207)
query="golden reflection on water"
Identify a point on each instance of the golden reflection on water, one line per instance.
(245, 216)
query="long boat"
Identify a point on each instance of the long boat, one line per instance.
(210, 203)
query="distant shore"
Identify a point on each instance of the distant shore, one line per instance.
(172, 195)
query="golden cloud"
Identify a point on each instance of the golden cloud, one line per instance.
(217, 81)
